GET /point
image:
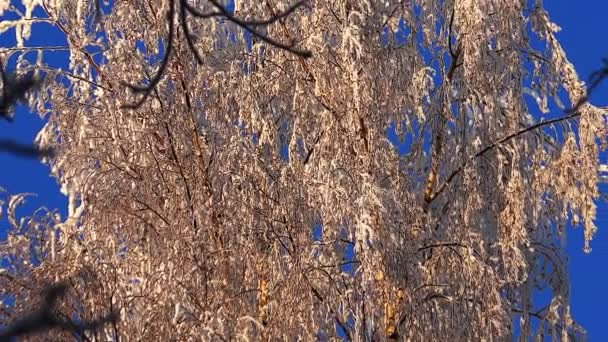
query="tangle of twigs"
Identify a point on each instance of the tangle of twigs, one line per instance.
(596, 79)
(220, 11)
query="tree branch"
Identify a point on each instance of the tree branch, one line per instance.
(45, 319)
(596, 78)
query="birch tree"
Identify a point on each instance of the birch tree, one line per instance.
(230, 178)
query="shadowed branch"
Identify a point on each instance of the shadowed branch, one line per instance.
(45, 319)
(185, 10)
(14, 90)
(596, 79)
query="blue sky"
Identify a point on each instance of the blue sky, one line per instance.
(584, 39)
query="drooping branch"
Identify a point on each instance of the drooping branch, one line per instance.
(147, 90)
(438, 141)
(221, 11)
(454, 54)
(574, 112)
(248, 27)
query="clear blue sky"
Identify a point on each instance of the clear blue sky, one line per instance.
(585, 39)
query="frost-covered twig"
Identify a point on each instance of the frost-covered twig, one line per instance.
(185, 9)
(596, 79)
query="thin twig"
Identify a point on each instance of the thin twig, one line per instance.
(147, 90)
(247, 27)
(221, 11)
(275, 17)
(596, 79)
(183, 11)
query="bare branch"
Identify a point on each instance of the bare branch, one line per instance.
(45, 318)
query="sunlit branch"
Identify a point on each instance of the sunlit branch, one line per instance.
(147, 90)
(34, 48)
(247, 27)
(596, 78)
(276, 17)
(186, 9)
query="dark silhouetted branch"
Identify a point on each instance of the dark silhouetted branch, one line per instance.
(147, 90)
(596, 79)
(187, 10)
(25, 150)
(247, 27)
(45, 319)
(14, 89)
